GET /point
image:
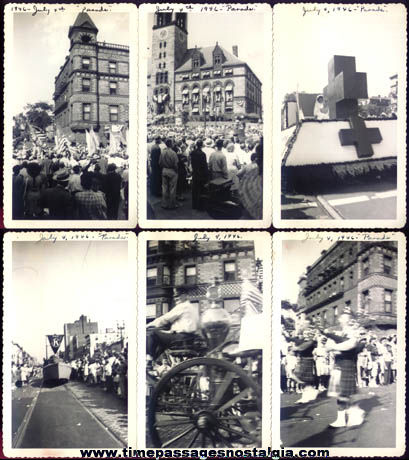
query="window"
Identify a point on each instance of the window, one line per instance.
(341, 283)
(86, 111)
(165, 77)
(229, 271)
(196, 63)
(113, 87)
(160, 65)
(164, 44)
(387, 264)
(365, 265)
(151, 311)
(335, 312)
(153, 246)
(160, 55)
(85, 62)
(165, 307)
(190, 275)
(217, 60)
(112, 67)
(160, 44)
(151, 276)
(113, 113)
(166, 275)
(366, 300)
(164, 54)
(86, 85)
(388, 300)
(164, 65)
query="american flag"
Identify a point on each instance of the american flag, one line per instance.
(251, 299)
(62, 144)
(38, 136)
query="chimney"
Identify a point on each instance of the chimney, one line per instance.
(236, 50)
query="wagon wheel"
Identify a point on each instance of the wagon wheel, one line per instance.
(205, 402)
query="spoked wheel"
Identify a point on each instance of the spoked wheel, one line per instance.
(205, 402)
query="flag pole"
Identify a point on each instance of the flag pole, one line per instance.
(46, 349)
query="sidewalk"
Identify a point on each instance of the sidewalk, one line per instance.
(107, 407)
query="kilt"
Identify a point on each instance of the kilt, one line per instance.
(304, 369)
(342, 383)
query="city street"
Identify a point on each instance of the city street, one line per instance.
(353, 202)
(306, 425)
(67, 416)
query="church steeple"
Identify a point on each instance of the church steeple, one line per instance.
(83, 30)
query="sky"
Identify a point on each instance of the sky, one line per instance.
(40, 45)
(296, 256)
(241, 29)
(54, 283)
(303, 46)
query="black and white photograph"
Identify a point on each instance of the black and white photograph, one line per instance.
(66, 326)
(205, 108)
(207, 371)
(342, 373)
(69, 140)
(340, 114)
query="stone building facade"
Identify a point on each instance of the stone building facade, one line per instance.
(194, 83)
(195, 266)
(92, 86)
(359, 275)
(75, 336)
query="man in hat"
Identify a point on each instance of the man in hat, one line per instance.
(156, 172)
(218, 163)
(58, 199)
(182, 321)
(112, 188)
(91, 205)
(169, 163)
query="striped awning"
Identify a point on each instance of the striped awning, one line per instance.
(229, 87)
(217, 89)
(195, 90)
(185, 91)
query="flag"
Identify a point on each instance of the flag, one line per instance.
(55, 341)
(90, 143)
(251, 299)
(95, 138)
(62, 144)
(114, 139)
(38, 136)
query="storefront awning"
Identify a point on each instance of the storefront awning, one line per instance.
(195, 90)
(195, 110)
(217, 89)
(229, 87)
(185, 91)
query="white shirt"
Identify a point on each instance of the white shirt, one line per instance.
(182, 318)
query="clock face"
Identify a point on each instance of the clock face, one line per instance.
(86, 38)
(163, 33)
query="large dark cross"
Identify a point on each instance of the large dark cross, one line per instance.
(345, 87)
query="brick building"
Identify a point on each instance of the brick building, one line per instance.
(197, 82)
(195, 266)
(92, 86)
(360, 275)
(75, 336)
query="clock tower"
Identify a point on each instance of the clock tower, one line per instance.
(83, 31)
(169, 46)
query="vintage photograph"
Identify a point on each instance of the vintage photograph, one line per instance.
(67, 322)
(68, 141)
(206, 106)
(339, 84)
(342, 373)
(207, 373)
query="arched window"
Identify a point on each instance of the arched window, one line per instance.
(195, 95)
(229, 92)
(206, 98)
(217, 91)
(185, 96)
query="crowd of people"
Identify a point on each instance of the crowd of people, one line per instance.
(339, 362)
(108, 370)
(73, 185)
(21, 373)
(183, 160)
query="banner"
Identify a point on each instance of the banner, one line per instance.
(55, 342)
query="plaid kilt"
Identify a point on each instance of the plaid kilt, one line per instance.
(304, 369)
(342, 383)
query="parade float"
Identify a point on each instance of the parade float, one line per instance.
(55, 369)
(342, 148)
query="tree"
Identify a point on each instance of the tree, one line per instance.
(39, 114)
